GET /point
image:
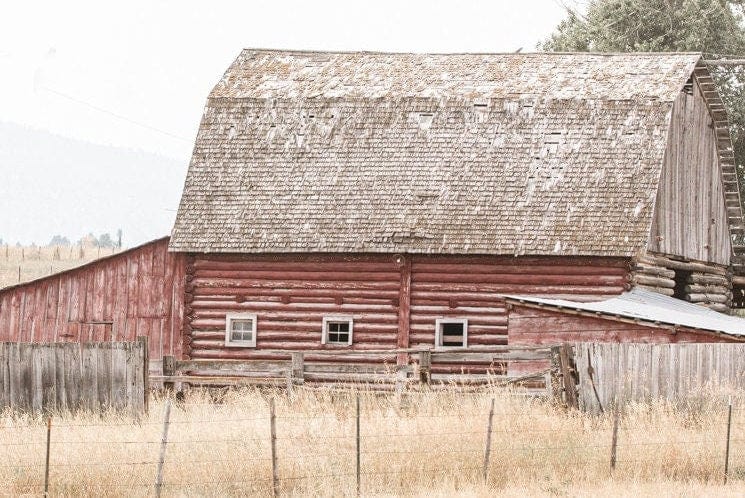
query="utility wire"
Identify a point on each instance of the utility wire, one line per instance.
(110, 113)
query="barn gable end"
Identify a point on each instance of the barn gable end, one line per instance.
(690, 219)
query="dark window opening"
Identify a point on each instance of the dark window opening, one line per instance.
(452, 334)
(688, 87)
(682, 278)
(738, 297)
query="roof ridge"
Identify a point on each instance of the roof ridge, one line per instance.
(519, 54)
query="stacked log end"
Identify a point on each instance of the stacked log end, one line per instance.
(705, 284)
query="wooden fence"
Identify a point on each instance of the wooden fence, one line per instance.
(94, 376)
(641, 372)
(525, 366)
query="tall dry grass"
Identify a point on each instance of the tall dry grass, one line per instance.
(36, 262)
(422, 444)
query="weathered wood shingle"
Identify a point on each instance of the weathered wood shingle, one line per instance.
(476, 153)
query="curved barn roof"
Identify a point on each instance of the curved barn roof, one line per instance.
(444, 153)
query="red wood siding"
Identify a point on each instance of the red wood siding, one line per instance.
(136, 292)
(469, 287)
(530, 326)
(291, 293)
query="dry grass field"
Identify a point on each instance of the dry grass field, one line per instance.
(424, 444)
(36, 262)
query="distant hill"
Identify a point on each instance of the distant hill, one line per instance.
(51, 184)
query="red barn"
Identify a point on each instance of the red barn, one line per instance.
(359, 201)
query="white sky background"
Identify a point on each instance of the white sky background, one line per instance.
(154, 62)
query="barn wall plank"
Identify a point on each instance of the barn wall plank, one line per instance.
(690, 218)
(641, 372)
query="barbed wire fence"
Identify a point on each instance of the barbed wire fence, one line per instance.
(271, 453)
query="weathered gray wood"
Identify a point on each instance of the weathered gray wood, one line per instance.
(642, 372)
(163, 445)
(71, 376)
(273, 441)
(298, 366)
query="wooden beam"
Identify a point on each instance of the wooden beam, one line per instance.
(725, 62)
(404, 309)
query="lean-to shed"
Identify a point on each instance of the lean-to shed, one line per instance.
(368, 200)
(137, 292)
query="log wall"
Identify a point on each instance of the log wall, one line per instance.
(138, 292)
(394, 299)
(707, 284)
(690, 218)
(290, 295)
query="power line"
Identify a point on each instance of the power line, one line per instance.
(118, 116)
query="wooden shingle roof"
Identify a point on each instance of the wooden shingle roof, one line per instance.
(458, 153)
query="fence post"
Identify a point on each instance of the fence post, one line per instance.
(169, 370)
(357, 398)
(562, 359)
(425, 367)
(144, 343)
(298, 368)
(729, 429)
(163, 443)
(46, 465)
(487, 449)
(273, 436)
(614, 437)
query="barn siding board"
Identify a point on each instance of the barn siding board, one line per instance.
(690, 218)
(640, 372)
(106, 300)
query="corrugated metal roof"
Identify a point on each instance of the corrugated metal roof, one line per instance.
(649, 306)
(543, 154)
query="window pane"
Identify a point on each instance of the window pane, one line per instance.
(452, 334)
(338, 332)
(241, 330)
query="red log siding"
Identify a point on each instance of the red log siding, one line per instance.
(471, 288)
(136, 292)
(291, 293)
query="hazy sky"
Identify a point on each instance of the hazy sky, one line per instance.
(136, 73)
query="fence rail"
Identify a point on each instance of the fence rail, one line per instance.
(527, 366)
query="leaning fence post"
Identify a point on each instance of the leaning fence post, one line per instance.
(729, 429)
(357, 398)
(163, 443)
(487, 450)
(273, 436)
(614, 437)
(46, 465)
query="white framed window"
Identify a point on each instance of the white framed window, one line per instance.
(240, 330)
(337, 330)
(451, 333)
